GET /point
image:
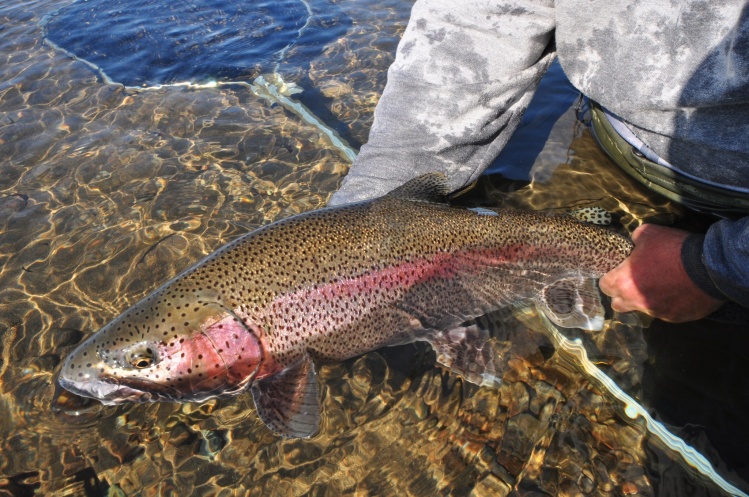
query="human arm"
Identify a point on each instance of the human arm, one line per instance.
(677, 276)
(463, 75)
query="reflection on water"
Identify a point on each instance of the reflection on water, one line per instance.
(106, 192)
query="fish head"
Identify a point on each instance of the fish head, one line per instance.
(174, 345)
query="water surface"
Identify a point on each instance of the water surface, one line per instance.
(151, 42)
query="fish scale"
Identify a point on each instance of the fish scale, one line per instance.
(338, 282)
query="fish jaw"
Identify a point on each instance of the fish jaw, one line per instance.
(105, 392)
(214, 354)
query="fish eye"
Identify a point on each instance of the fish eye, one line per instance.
(142, 362)
(139, 356)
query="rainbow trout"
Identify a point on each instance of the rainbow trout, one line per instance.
(331, 284)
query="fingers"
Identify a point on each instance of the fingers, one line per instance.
(617, 282)
(640, 231)
(653, 279)
(648, 280)
(607, 283)
(619, 285)
(622, 305)
(648, 229)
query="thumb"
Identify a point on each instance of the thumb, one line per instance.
(643, 231)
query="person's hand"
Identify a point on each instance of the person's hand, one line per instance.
(653, 279)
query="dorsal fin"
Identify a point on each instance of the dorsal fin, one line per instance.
(430, 187)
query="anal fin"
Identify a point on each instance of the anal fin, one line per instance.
(469, 352)
(573, 302)
(289, 402)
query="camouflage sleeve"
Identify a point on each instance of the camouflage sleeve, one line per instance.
(464, 74)
(717, 262)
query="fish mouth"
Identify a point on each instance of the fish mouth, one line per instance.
(112, 391)
(106, 392)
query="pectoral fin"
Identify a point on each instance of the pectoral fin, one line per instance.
(289, 402)
(573, 302)
(468, 351)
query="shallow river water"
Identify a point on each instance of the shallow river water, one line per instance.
(108, 190)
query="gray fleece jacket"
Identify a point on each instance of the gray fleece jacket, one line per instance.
(676, 72)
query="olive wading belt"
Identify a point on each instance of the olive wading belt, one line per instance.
(661, 179)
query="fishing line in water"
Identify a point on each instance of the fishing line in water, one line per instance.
(282, 54)
(272, 92)
(634, 410)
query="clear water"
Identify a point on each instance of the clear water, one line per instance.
(105, 192)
